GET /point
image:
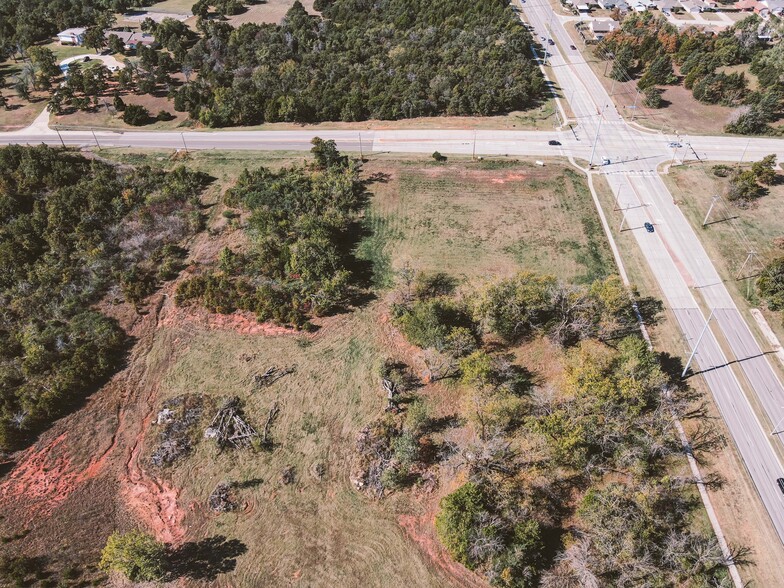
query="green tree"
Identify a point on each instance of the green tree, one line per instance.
(653, 97)
(771, 284)
(94, 37)
(764, 171)
(136, 554)
(659, 72)
(456, 521)
(116, 45)
(327, 154)
(516, 307)
(622, 64)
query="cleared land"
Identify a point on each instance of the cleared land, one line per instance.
(268, 12)
(467, 218)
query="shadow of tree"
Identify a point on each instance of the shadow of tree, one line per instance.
(205, 559)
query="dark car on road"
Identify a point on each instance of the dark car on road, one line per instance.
(553, 142)
(572, 47)
(781, 483)
(550, 42)
(648, 227)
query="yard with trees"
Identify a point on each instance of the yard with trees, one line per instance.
(647, 48)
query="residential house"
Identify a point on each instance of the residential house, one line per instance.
(747, 5)
(74, 36)
(583, 9)
(607, 4)
(667, 6)
(602, 26)
(133, 39)
(771, 7)
(691, 7)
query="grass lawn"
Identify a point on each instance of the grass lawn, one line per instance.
(173, 6)
(486, 219)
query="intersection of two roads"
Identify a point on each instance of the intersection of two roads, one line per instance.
(686, 276)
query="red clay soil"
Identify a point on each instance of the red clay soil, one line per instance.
(241, 322)
(420, 529)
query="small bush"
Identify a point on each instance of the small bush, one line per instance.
(136, 554)
(721, 170)
(164, 115)
(438, 157)
(136, 115)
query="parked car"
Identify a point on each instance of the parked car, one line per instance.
(553, 142)
(648, 227)
(550, 42)
(781, 483)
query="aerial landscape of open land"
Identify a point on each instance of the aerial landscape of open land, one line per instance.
(401, 293)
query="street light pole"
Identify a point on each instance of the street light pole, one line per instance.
(96, 139)
(596, 137)
(182, 136)
(699, 339)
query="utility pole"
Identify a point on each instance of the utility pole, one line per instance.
(776, 426)
(596, 138)
(96, 139)
(473, 149)
(623, 218)
(361, 156)
(715, 199)
(634, 106)
(751, 254)
(693, 353)
(743, 155)
(60, 136)
(182, 136)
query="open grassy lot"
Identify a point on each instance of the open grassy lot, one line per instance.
(271, 12)
(487, 219)
(472, 219)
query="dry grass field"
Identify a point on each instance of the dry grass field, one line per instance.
(475, 220)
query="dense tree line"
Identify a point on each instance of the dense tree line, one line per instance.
(646, 47)
(70, 229)
(603, 434)
(389, 60)
(303, 225)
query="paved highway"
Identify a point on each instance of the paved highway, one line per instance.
(676, 256)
